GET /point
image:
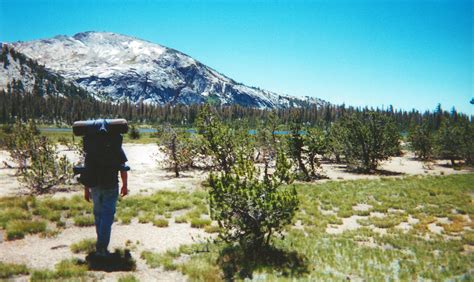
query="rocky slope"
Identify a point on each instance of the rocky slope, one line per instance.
(118, 67)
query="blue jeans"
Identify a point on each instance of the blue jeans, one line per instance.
(105, 201)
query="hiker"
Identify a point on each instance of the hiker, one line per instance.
(104, 159)
(104, 198)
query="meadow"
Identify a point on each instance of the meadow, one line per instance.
(411, 228)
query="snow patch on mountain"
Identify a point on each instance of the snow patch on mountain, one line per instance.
(126, 68)
(17, 71)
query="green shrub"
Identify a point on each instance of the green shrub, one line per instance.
(178, 148)
(336, 135)
(421, 141)
(220, 142)
(370, 137)
(249, 209)
(305, 150)
(454, 141)
(134, 133)
(39, 165)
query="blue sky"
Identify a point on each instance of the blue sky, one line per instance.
(411, 54)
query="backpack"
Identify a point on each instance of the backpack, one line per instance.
(103, 155)
(102, 159)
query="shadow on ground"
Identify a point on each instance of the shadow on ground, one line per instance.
(117, 261)
(379, 172)
(235, 263)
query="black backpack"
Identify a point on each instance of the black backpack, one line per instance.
(103, 152)
(102, 159)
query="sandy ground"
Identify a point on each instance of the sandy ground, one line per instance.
(147, 176)
(396, 166)
(44, 253)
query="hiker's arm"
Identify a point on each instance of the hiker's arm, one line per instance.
(87, 194)
(124, 190)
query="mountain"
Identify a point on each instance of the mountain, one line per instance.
(25, 75)
(116, 68)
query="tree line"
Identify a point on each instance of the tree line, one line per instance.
(53, 100)
(51, 108)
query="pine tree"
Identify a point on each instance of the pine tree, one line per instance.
(369, 138)
(421, 141)
(250, 210)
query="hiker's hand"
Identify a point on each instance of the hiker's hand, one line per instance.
(124, 191)
(87, 194)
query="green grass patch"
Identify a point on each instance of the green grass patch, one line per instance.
(49, 233)
(57, 136)
(17, 229)
(345, 212)
(28, 215)
(200, 222)
(146, 218)
(83, 246)
(60, 224)
(145, 138)
(160, 222)
(362, 254)
(9, 270)
(13, 213)
(384, 222)
(468, 238)
(66, 269)
(17, 202)
(163, 203)
(212, 229)
(332, 219)
(154, 260)
(181, 219)
(128, 278)
(84, 220)
(362, 212)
